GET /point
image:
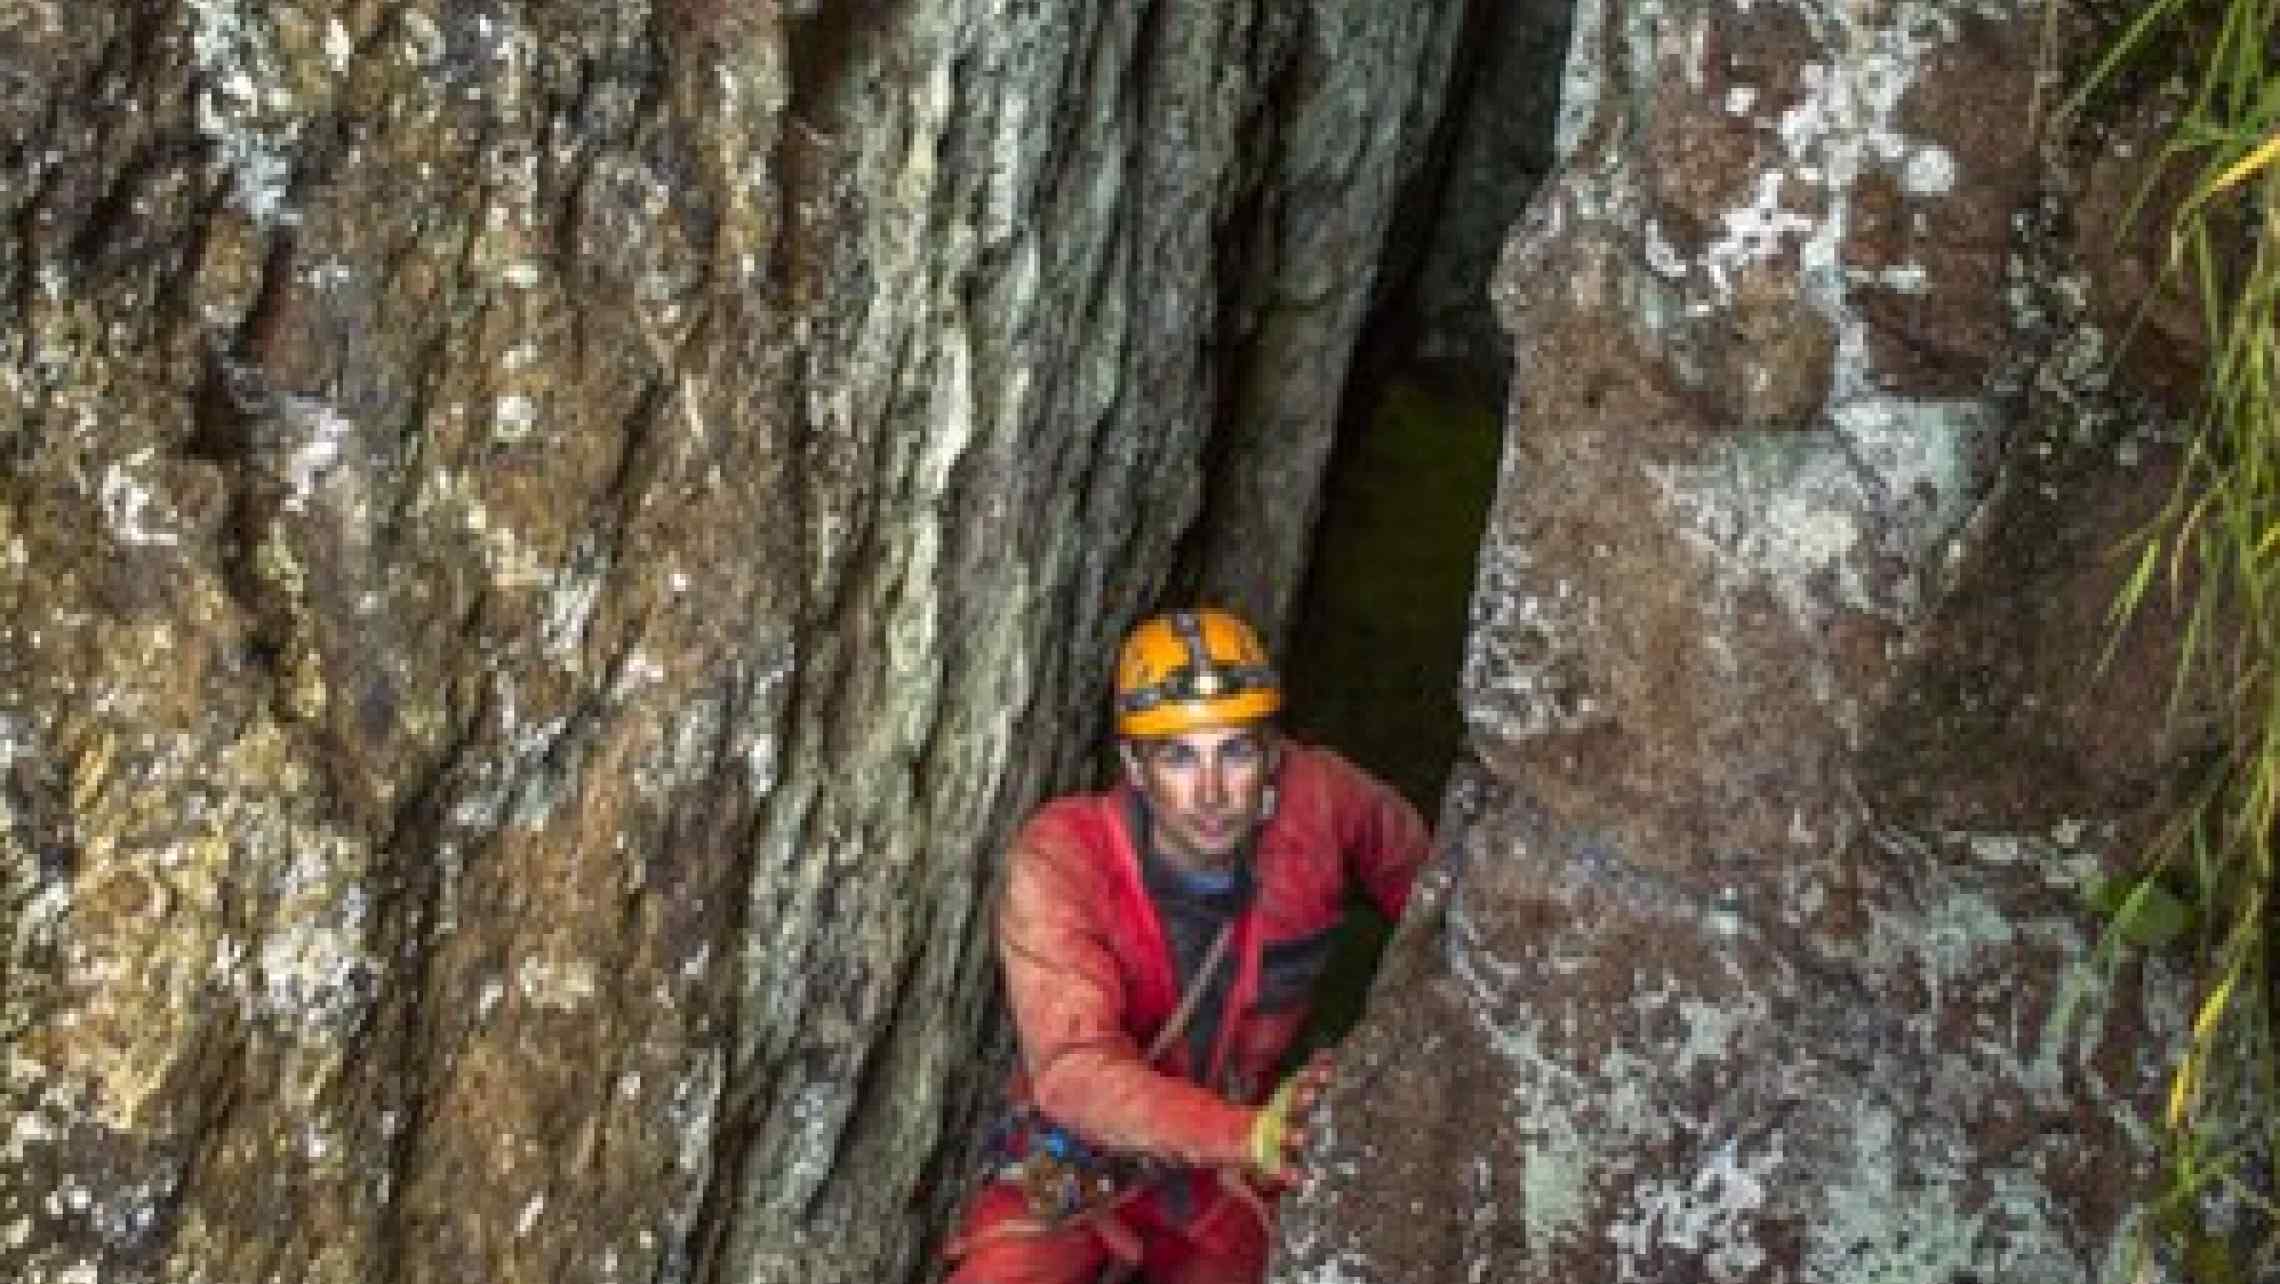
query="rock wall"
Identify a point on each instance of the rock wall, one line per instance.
(1756, 951)
(540, 544)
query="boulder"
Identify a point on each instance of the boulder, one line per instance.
(1756, 949)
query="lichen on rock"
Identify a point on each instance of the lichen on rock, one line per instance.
(1759, 932)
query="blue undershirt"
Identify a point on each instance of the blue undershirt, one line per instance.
(1205, 882)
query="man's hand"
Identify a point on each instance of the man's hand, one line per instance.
(1278, 1132)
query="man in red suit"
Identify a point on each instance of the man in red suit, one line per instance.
(1160, 944)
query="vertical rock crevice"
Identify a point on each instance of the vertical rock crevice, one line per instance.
(1380, 610)
(1340, 159)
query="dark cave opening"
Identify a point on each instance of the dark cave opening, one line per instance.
(1374, 655)
(1377, 632)
(1376, 639)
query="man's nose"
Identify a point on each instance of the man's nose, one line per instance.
(1214, 783)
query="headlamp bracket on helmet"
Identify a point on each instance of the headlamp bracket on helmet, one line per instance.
(1190, 683)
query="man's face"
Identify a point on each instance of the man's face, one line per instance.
(1205, 789)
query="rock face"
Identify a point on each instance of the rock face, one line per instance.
(539, 544)
(1756, 952)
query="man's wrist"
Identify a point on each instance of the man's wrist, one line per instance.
(1269, 1134)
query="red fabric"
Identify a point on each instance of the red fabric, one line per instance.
(1225, 1245)
(1090, 979)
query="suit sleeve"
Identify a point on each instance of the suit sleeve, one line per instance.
(1383, 837)
(1067, 994)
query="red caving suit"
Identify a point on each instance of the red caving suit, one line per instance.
(1090, 977)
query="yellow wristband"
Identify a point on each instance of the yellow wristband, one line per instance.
(1268, 1129)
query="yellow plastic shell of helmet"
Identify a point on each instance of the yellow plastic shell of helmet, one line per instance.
(1189, 669)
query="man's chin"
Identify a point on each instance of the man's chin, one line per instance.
(1216, 846)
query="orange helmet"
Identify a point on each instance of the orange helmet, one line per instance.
(1188, 669)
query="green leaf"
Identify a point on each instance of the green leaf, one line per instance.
(2142, 910)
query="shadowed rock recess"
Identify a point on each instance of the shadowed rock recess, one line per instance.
(1752, 948)
(541, 546)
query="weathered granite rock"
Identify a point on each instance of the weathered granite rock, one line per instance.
(1757, 951)
(539, 543)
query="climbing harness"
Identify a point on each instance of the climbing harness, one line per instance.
(1064, 1181)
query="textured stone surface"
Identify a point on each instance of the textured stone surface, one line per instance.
(1755, 943)
(538, 545)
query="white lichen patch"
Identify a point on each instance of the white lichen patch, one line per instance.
(1344, 1267)
(1814, 518)
(1882, 1115)
(818, 1117)
(513, 417)
(1901, 278)
(1583, 77)
(1875, 1223)
(694, 1108)
(132, 931)
(1947, 944)
(1760, 231)
(1842, 123)
(1930, 171)
(193, 892)
(1712, 1029)
(313, 969)
(1521, 673)
(563, 986)
(641, 672)
(686, 750)
(508, 558)
(424, 44)
(575, 590)
(135, 516)
(756, 742)
(314, 434)
(1708, 1214)
(244, 110)
(1564, 1160)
